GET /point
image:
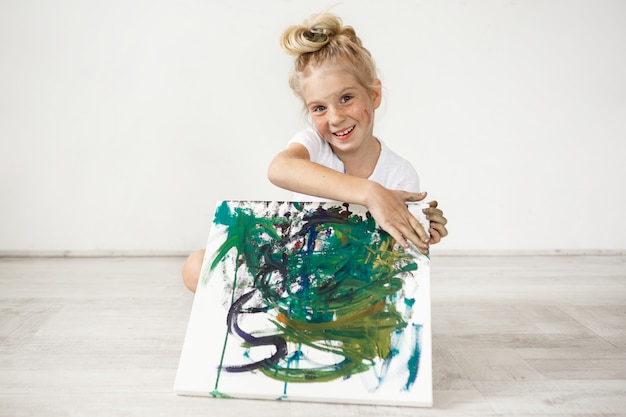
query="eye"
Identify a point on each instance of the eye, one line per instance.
(345, 98)
(317, 109)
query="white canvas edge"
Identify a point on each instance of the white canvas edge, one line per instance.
(183, 388)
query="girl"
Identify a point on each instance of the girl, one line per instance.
(340, 159)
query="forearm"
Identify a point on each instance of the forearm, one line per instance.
(306, 177)
(295, 172)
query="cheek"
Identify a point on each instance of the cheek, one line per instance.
(368, 116)
(362, 112)
(320, 125)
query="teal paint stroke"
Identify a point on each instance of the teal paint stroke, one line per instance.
(333, 283)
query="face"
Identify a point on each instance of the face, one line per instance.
(340, 107)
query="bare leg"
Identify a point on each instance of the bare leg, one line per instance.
(191, 269)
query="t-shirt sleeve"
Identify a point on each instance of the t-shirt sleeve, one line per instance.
(320, 151)
(408, 178)
(310, 141)
(395, 172)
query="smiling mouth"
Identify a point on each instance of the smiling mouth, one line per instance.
(344, 132)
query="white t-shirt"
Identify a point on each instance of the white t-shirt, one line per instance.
(391, 171)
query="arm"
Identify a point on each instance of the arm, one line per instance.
(293, 170)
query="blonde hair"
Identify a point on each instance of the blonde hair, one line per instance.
(323, 39)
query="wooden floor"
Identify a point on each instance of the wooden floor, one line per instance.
(512, 336)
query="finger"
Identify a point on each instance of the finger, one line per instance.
(417, 235)
(409, 234)
(437, 219)
(431, 211)
(423, 247)
(433, 203)
(435, 237)
(419, 229)
(435, 215)
(397, 235)
(415, 196)
(440, 229)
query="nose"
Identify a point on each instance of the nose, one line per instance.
(336, 115)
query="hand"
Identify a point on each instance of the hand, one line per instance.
(438, 223)
(392, 215)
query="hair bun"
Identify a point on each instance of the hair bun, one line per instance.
(312, 35)
(323, 39)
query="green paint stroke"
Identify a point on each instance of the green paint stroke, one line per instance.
(217, 394)
(332, 278)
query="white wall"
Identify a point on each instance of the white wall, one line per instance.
(122, 122)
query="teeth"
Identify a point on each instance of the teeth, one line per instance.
(345, 132)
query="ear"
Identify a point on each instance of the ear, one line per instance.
(376, 93)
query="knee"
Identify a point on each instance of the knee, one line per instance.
(191, 270)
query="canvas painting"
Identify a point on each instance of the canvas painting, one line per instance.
(308, 302)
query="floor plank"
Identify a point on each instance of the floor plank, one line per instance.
(512, 336)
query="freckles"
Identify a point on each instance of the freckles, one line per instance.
(321, 127)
